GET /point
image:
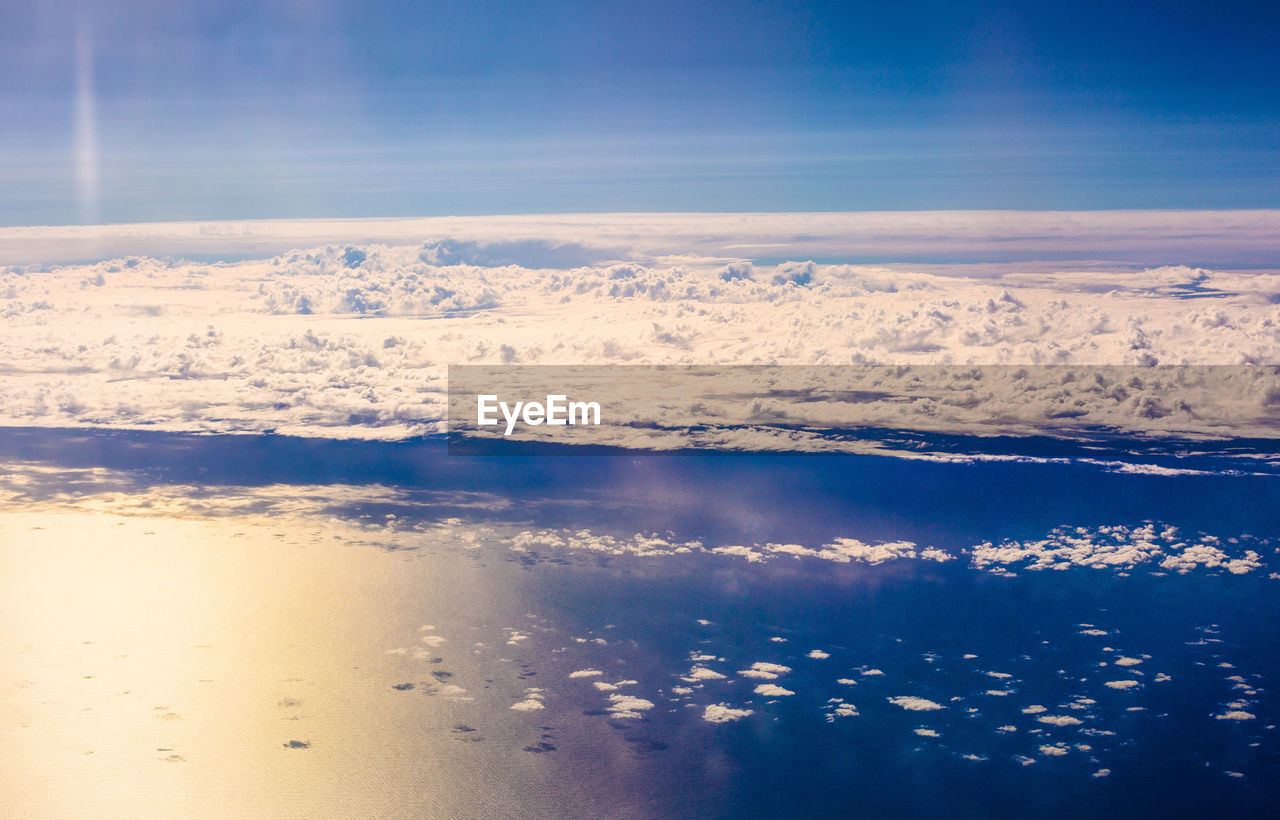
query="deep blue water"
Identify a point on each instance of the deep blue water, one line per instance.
(1163, 744)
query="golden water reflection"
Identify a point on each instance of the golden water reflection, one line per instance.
(170, 666)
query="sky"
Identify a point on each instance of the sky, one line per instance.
(154, 111)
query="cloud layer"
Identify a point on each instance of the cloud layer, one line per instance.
(352, 340)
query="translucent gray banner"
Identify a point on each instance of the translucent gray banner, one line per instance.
(929, 410)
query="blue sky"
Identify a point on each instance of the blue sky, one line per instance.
(136, 111)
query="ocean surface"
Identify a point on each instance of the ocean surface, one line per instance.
(264, 625)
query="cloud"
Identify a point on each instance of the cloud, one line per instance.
(1121, 684)
(1235, 714)
(771, 690)
(586, 673)
(628, 706)
(147, 340)
(818, 654)
(915, 704)
(838, 708)
(764, 670)
(701, 673)
(531, 703)
(1233, 237)
(1114, 547)
(1059, 720)
(723, 713)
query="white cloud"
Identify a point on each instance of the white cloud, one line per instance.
(586, 673)
(261, 343)
(915, 704)
(723, 713)
(702, 673)
(818, 654)
(1235, 714)
(628, 706)
(764, 670)
(1059, 720)
(452, 692)
(772, 690)
(838, 708)
(1117, 547)
(1121, 684)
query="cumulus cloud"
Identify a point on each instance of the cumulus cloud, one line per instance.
(628, 706)
(149, 340)
(1235, 714)
(915, 704)
(772, 690)
(723, 713)
(1059, 720)
(839, 708)
(765, 670)
(532, 701)
(702, 673)
(1117, 547)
